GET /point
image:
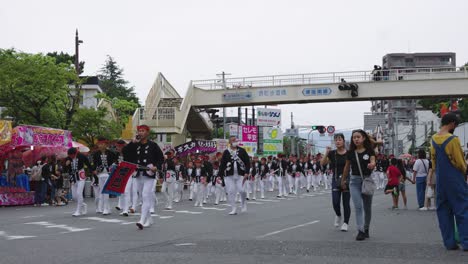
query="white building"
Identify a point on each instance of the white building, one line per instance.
(90, 88)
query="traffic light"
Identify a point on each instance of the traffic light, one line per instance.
(353, 87)
(320, 129)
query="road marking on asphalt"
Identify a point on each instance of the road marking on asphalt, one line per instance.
(214, 208)
(254, 203)
(9, 237)
(31, 216)
(310, 195)
(104, 220)
(166, 217)
(188, 212)
(267, 200)
(287, 229)
(185, 244)
(69, 229)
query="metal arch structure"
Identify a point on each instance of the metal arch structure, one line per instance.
(291, 89)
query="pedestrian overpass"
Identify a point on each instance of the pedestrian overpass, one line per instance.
(166, 112)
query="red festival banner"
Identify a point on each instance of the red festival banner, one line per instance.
(118, 179)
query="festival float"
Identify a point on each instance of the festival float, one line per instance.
(20, 148)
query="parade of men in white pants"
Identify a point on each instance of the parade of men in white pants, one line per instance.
(235, 167)
(149, 158)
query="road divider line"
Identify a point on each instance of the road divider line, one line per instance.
(287, 229)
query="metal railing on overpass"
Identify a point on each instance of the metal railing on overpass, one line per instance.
(335, 77)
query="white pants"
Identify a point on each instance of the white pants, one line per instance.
(147, 185)
(252, 185)
(297, 183)
(219, 193)
(137, 190)
(309, 181)
(192, 190)
(234, 184)
(316, 181)
(125, 199)
(178, 191)
(272, 179)
(168, 190)
(282, 185)
(263, 183)
(303, 181)
(380, 180)
(104, 205)
(77, 192)
(199, 192)
(97, 197)
(290, 183)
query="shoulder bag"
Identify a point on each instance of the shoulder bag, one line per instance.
(368, 184)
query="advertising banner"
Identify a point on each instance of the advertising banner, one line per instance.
(5, 132)
(268, 117)
(249, 134)
(272, 141)
(204, 146)
(250, 147)
(41, 136)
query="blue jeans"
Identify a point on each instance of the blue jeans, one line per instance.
(421, 190)
(40, 192)
(362, 203)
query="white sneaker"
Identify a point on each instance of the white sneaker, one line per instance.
(233, 212)
(423, 209)
(344, 227)
(432, 208)
(337, 221)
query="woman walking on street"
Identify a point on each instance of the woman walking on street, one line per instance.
(420, 171)
(360, 161)
(337, 160)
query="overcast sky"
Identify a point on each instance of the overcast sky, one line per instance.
(188, 40)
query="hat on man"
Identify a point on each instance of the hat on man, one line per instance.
(144, 127)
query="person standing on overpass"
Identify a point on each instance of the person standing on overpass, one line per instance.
(451, 186)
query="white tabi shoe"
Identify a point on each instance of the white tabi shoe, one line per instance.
(84, 209)
(233, 212)
(244, 208)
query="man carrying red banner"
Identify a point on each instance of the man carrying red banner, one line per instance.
(149, 158)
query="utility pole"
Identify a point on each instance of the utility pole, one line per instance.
(223, 79)
(77, 53)
(413, 125)
(293, 145)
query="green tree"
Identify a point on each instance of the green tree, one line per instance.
(30, 87)
(113, 83)
(88, 124)
(434, 104)
(123, 108)
(72, 102)
(67, 59)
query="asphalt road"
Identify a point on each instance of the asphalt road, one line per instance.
(292, 230)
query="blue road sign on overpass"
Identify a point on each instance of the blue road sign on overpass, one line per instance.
(316, 91)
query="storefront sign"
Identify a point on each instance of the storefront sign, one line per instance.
(268, 117)
(272, 141)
